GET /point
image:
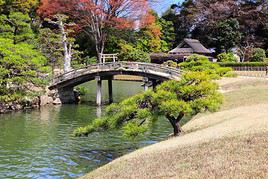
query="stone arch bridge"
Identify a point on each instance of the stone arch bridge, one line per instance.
(152, 75)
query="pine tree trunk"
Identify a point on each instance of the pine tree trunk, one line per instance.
(175, 122)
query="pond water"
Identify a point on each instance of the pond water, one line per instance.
(38, 143)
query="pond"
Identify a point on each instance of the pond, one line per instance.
(39, 143)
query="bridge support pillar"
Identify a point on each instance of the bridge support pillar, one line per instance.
(67, 95)
(98, 94)
(154, 83)
(146, 83)
(110, 89)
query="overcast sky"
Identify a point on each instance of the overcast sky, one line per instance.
(163, 5)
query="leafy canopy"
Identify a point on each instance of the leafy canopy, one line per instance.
(227, 57)
(16, 26)
(258, 55)
(20, 65)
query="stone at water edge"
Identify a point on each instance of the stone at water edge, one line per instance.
(43, 100)
(57, 101)
(50, 100)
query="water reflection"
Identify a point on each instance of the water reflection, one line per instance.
(39, 143)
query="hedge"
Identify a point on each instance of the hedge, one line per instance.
(244, 64)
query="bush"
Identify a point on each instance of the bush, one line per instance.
(258, 55)
(81, 90)
(227, 57)
(202, 63)
(171, 63)
(252, 64)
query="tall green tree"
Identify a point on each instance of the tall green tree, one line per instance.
(227, 35)
(206, 15)
(20, 68)
(51, 46)
(16, 26)
(21, 64)
(167, 33)
(24, 6)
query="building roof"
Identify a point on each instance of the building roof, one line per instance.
(190, 46)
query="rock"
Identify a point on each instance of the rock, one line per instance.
(50, 100)
(57, 101)
(19, 107)
(51, 93)
(44, 100)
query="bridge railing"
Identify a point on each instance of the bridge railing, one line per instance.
(132, 66)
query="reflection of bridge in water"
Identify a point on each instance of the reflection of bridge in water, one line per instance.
(152, 74)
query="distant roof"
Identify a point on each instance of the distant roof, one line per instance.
(193, 46)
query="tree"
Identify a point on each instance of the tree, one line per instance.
(51, 46)
(21, 67)
(168, 33)
(205, 15)
(53, 12)
(96, 17)
(149, 37)
(129, 52)
(227, 57)
(227, 35)
(194, 93)
(181, 17)
(24, 6)
(67, 43)
(16, 26)
(258, 55)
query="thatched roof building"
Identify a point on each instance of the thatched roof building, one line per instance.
(189, 47)
(186, 48)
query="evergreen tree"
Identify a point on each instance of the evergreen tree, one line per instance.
(20, 68)
(16, 26)
(194, 93)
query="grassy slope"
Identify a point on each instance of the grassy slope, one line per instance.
(232, 142)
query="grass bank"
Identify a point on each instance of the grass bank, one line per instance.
(231, 143)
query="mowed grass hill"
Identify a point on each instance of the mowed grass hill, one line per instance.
(231, 143)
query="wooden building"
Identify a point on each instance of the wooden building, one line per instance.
(190, 46)
(186, 48)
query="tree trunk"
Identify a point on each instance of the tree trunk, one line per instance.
(67, 51)
(99, 48)
(175, 122)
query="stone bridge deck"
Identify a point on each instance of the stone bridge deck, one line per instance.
(152, 73)
(106, 70)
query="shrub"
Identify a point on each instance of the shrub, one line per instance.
(258, 55)
(170, 63)
(227, 57)
(202, 63)
(81, 90)
(253, 64)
